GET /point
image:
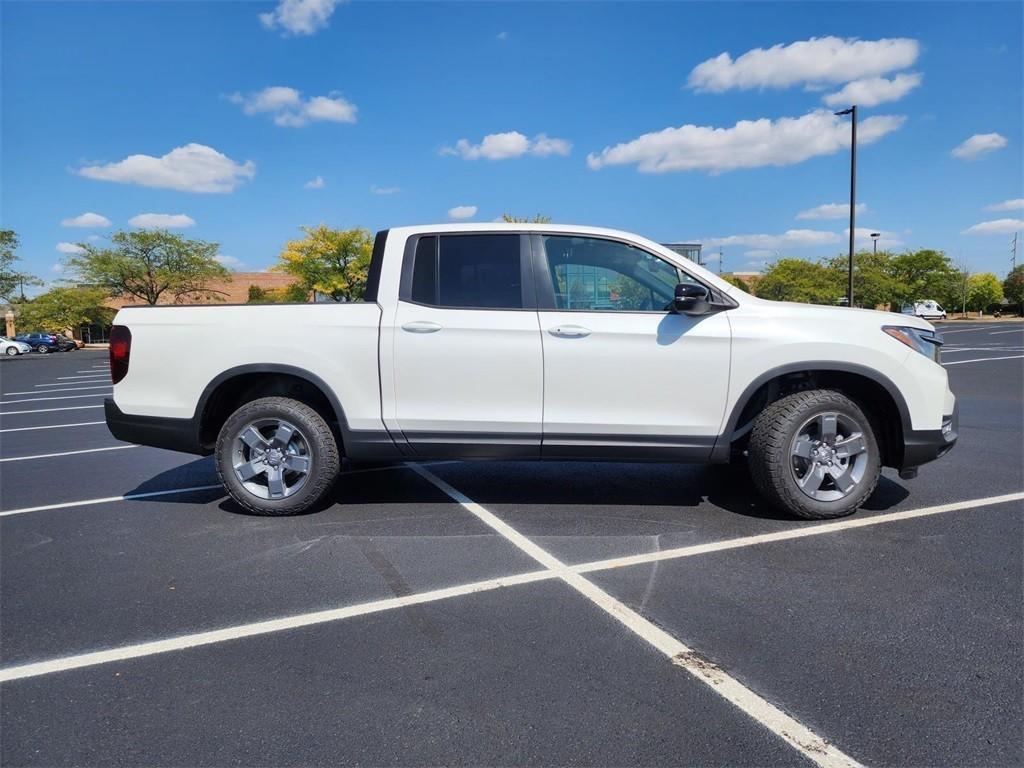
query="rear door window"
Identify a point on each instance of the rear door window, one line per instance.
(468, 272)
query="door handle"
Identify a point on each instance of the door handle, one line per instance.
(421, 326)
(569, 331)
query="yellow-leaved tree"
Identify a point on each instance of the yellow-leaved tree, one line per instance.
(333, 262)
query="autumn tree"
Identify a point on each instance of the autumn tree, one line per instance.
(150, 265)
(334, 262)
(983, 290)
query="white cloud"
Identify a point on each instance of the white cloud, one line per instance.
(290, 109)
(162, 221)
(375, 190)
(503, 35)
(87, 220)
(874, 90)
(502, 146)
(191, 168)
(1007, 205)
(462, 212)
(759, 253)
(317, 183)
(862, 238)
(820, 60)
(832, 211)
(228, 261)
(979, 144)
(995, 227)
(791, 238)
(58, 267)
(70, 248)
(748, 144)
(299, 17)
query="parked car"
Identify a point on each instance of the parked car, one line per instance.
(12, 347)
(928, 310)
(523, 341)
(42, 342)
(66, 343)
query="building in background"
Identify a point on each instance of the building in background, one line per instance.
(690, 251)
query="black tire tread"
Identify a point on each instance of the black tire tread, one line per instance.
(326, 447)
(768, 455)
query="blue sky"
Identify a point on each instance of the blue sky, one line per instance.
(127, 109)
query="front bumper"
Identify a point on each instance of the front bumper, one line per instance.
(155, 431)
(922, 446)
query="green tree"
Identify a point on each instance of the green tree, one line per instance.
(983, 290)
(150, 265)
(292, 294)
(923, 274)
(508, 218)
(335, 262)
(11, 280)
(1013, 287)
(873, 282)
(799, 280)
(737, 281)
(65, 308)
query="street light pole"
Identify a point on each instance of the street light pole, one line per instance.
(852, 112)
(874, 242)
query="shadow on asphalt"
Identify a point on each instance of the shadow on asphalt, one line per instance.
(602, 484)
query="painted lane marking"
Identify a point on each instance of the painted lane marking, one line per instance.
(983, 359)
(90, 376)
(1012, 330)
(48, 410)
(70, 453)
(797, 533)
(63, 397)
(90, 385)
(48, 391)
(788, 729)
(109, 499)
(54, 426)
(182, 642)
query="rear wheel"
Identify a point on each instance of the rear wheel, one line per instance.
(276, 456)
(814, 454)
(42, 349)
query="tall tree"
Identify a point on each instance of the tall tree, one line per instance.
(923, 274)
(800, 280)
(334, 262)
(65, 308)
(983, 290)
(11, 280)
(151, 265)
(1013, 287)
(873, 283)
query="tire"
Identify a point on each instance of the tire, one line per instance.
(11, 351)
(42, 349)
(790, 446)
(270, 451)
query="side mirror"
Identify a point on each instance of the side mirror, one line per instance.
(691, 299)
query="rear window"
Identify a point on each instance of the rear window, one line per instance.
(468, 271)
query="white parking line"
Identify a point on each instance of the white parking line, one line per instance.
(69, 453)
(90, 376)
(48, 410)
(54, 426)
(1012, 330)
(296, 621)
(983, 359)
(108, 499)
(37, 399)
(48, 391)
(97, 382)
(962, 330)
(794, 733)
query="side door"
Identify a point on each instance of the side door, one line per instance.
(623, 374)
(468, 360)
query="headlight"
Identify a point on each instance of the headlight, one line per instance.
(925, 342)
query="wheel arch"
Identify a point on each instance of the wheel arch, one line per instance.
(235, 386)
(874, 392)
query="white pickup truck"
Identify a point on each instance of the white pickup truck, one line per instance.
(524, 341)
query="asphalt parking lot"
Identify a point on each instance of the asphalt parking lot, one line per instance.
(505, 614)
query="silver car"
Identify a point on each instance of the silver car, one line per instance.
(11, 348)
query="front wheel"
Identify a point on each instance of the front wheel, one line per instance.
(42, 349)
(814, 454)
(11, 351)
(276, 456)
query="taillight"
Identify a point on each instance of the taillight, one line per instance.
(120, 352)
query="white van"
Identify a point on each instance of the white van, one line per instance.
(927, 310)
